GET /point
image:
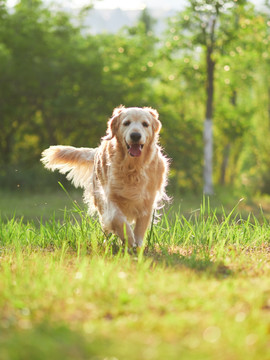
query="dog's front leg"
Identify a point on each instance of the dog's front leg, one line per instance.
(114, 220)
(140, 228)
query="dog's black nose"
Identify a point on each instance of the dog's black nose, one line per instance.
(135, 136)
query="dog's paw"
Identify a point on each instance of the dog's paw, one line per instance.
(139, 249)
(135, 250)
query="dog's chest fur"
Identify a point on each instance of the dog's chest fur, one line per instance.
(130, 183)
(132, 193)
(131, 190)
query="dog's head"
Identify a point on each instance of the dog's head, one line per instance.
(134, 128)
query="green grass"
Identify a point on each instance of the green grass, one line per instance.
(33, 206)
(199, 290)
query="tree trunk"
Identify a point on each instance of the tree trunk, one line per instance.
(269, 105)
(227, 149)
(208, 157)
(234, 161)
(208, 125)
(224, 164)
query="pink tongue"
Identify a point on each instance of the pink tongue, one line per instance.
(135, 150)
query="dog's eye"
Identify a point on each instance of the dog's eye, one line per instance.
(145, 124)
(126, 123)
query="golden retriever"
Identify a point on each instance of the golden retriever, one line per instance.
(125, 177)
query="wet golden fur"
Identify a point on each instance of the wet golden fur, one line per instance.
(124, 189)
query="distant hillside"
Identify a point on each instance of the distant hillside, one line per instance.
(112, 20)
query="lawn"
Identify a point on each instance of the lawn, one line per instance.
(199, 290)
(34, 206)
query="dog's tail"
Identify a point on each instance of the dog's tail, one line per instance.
(77, 163)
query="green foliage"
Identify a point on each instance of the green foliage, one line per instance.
(234, 35)
(59, 86)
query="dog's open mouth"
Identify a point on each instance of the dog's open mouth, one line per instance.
(135, 149)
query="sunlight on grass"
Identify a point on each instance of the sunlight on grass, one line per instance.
(68, 290)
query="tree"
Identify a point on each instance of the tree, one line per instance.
(236, 73)
(147, 20)
(204, 28)
(60, 86)
(50, 79)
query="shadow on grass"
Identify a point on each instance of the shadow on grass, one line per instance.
(194, 260)
(199, 260)
(56, 342)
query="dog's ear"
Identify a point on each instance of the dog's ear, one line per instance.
(156, 124)
(113, 123)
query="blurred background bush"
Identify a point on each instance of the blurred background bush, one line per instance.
(59, 84)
